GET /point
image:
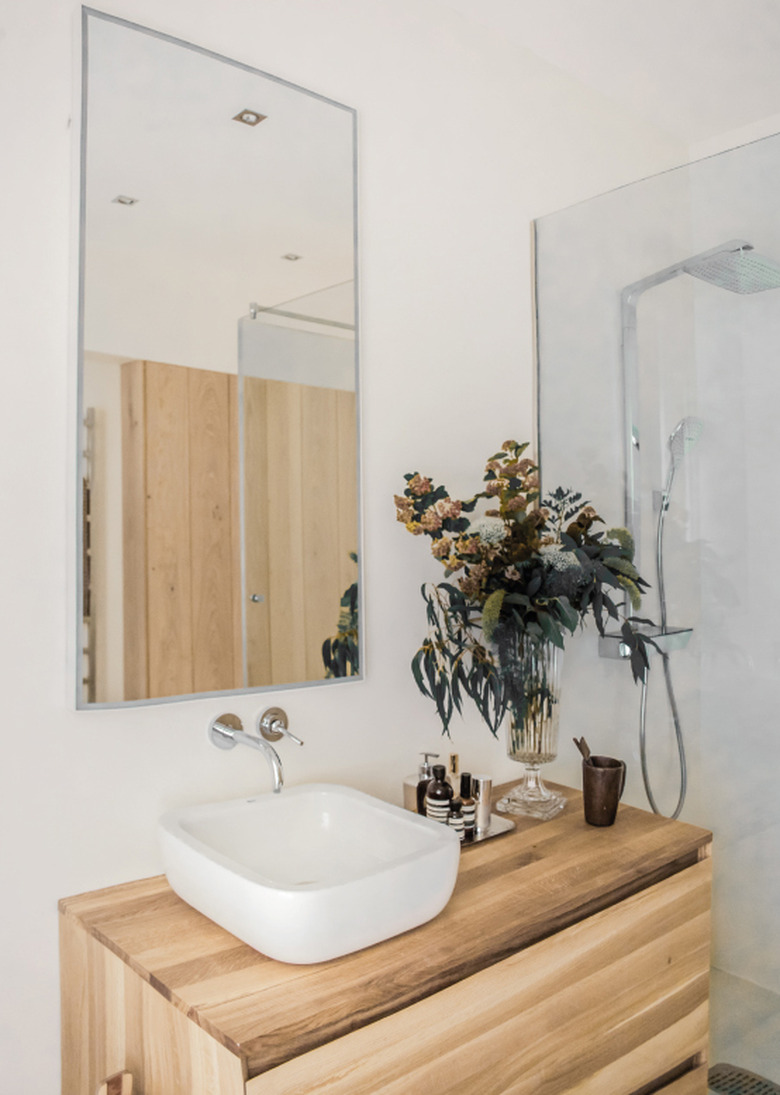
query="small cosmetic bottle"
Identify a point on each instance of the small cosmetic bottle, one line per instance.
(455, 818)
(469, 806)
(438, 795)
(482, 789)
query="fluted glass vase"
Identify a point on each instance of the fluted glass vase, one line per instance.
(532, 668)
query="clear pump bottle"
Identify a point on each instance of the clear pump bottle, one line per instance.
(414, 786)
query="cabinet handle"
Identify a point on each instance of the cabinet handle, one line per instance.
(121, 1083)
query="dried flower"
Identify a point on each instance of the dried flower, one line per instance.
(430, 520)
(469, 585)
(448, 508)
(441, 547)
(404, 509)
(419, 486)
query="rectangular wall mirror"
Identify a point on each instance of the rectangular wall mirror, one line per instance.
(218, 374)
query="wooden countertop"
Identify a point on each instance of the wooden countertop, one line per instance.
(511, 892)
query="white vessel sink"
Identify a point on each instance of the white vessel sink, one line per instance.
(312, 873)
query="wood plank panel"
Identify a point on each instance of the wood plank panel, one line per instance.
(169, 575)
(692, 1083)
(133, 400)
(320, 525)
(510, 894)
(234, 439)
(211, 533)
(286, 594)
(604, 1006)
(347, 471)
(256, 540)
(114, 1021)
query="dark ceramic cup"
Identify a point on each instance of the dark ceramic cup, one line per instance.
(603, 780)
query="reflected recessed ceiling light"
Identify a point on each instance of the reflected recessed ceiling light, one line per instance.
(291, 257)
(249, 117)
(122, 199)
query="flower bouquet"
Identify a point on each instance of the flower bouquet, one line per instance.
(520, 574)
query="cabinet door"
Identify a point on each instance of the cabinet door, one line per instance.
(616, 1004)
(114, 1022)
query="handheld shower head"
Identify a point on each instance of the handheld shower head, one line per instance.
(684, 436)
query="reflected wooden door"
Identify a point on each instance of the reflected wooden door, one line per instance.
(301, 524)
(182, 626)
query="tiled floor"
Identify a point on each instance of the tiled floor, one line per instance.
(744, 1025)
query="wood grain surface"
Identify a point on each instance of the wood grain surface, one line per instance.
(115, 1020)
(603, 1007)
(512, 893)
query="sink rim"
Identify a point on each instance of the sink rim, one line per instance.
(437, 836)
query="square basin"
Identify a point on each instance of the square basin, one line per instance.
(312, 873)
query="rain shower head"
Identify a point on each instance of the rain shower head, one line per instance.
(684, 436)
(736, 267)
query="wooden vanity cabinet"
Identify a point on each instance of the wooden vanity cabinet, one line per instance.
(569, 960)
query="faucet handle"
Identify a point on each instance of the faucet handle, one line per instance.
(272, 725)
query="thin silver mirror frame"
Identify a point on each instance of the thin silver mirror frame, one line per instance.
(81, 704)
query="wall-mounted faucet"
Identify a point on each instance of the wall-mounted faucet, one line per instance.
(227, 731)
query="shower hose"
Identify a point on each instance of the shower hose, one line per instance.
(659, 561)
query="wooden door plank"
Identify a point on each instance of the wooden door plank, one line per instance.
(169, 574)
(257, 532)
(134, 563)
(286, 594)
(347, 471)
(211, 532)
(237, 592)
(320, 526)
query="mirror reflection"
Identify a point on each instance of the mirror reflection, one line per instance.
(218, 375)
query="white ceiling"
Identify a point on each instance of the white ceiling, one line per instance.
(695, 68)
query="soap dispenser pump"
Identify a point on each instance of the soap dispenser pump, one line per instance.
(414, 786)
(438, 796)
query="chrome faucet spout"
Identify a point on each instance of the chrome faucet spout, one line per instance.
(225, 736)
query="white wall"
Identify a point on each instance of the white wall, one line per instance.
(463, 139)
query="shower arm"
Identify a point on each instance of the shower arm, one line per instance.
(629, 356)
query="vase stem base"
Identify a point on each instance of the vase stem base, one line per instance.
(531, 798)
(539, 808)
